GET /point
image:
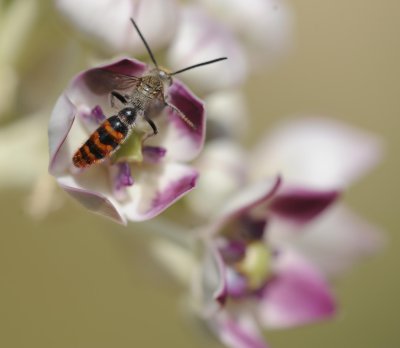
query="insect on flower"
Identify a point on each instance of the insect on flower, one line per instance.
(146, 99)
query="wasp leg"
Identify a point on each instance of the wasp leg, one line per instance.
(181, 115)
(120, 97)
(152, 125)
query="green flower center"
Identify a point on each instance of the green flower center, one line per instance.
(256, 264)
(131, 149)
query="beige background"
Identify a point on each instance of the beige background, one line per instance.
(75, 280)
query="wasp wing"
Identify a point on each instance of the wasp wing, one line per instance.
(105, 81)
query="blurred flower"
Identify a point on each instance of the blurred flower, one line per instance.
(253, 276)
(264, 26)
(269, 245)
(24, 160)
(23, 151)
(108, 21)
(226, 114)
(223, 171)
(145, 175)
(316, 153)
(317, 158)
(244, 280)
(13, 35)
(199, 38)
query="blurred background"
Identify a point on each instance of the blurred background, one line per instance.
(73, 279)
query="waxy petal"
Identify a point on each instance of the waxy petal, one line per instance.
(227, 114)
(60, 123)
(89, 191)
(223, 172)
(156, 188)
(265, 26)
(108, 22)
(301, 205)
(316, 153)
(333, 242)
(214, 282)
(240, 332)
(251, 197)
(182, 141)
(200, 38)
(296, 295)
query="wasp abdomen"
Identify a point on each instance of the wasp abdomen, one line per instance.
(103, 141)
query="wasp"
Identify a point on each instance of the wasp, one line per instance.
(146, 99)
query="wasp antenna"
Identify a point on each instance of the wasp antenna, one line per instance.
(145, 43)
(199, 64)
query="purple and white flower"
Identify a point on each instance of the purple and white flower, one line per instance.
(244, 280)
(146, 175)
(200, 37)
(263, 26)
(318, 159)
(250, 273)
(108, 22)
(271, 247)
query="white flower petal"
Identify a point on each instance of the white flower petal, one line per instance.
(210, 289)
(222, 165)
(248, 198)
(157, 188)
(241, 332)
(333, 242)
(182, 141)
(316, 153)
(60, 123)
(90, 189)
(264, 25)
(227, 112)
(199, 38)
(108, 21)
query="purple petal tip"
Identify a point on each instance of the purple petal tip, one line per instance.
(302, 205)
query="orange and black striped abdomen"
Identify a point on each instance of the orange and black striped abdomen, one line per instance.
(102, 143)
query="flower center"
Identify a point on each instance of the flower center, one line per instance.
(256, 265)
(247, 256)
(131, 150)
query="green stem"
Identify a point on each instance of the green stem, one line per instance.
(163, 227)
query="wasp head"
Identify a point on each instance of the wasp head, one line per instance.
(163, 75)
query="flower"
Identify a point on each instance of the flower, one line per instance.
(270, 246)
(318, 159)
(146, 175)
(244, 280)
(199, 38)
(263, 26)
(191, 33)
(287, 289)
(108, 22)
